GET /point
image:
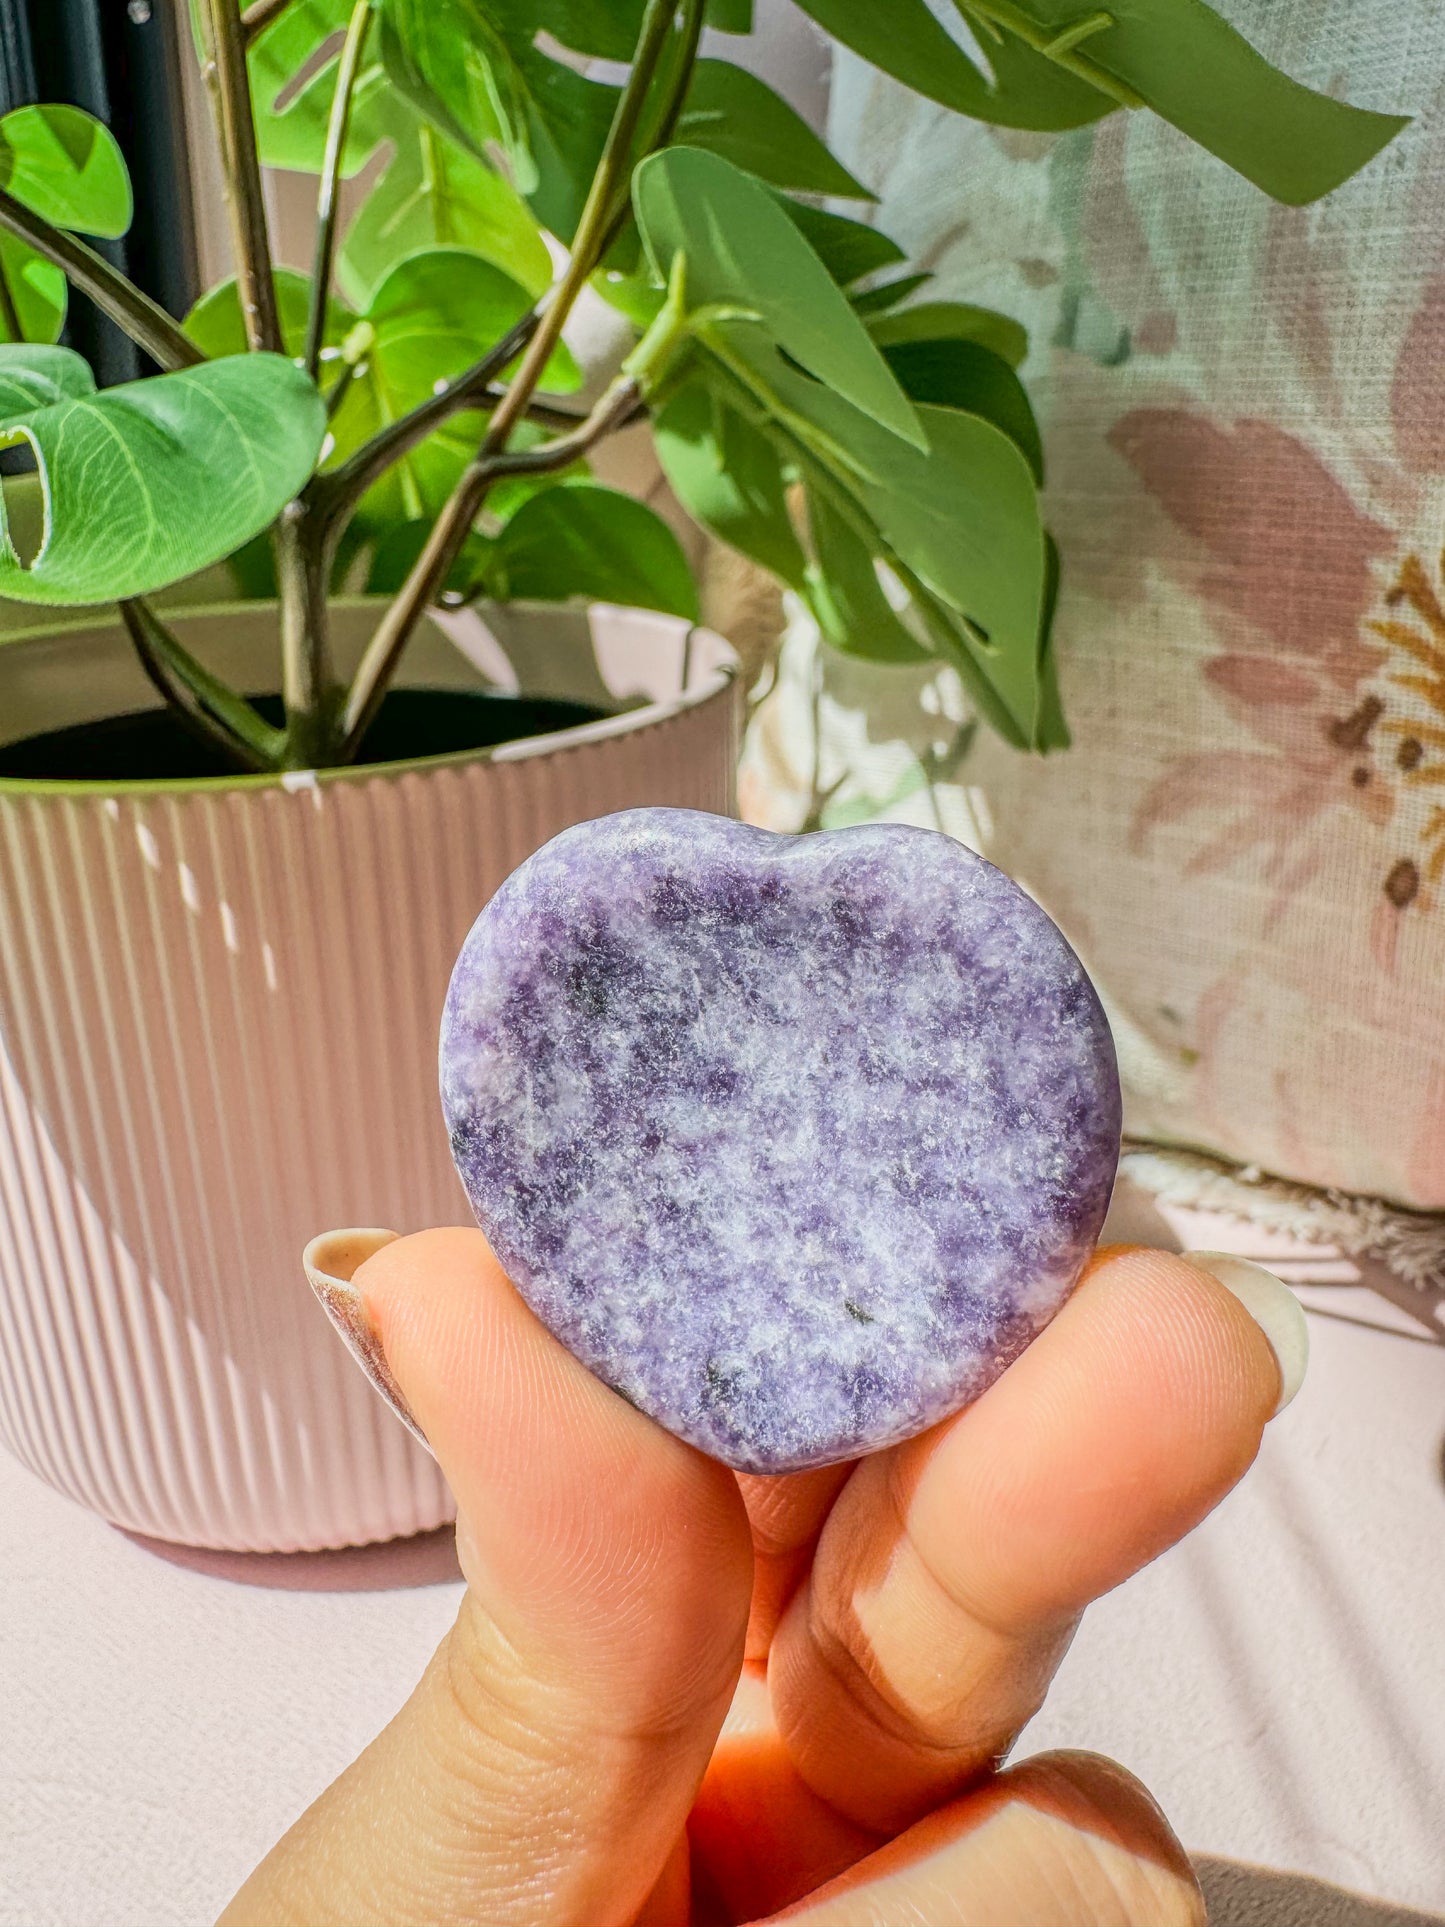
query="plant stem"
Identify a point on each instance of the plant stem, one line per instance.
(338, 491)
(259, 15)
(230, 86)
(328, 195)
(444, 543)
(8, 313)
(144, 320)
(308, 688)
(210, 708)
(606, 195)
(1061, 47)
(609, 190)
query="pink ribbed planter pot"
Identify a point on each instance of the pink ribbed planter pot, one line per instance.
(218, 1018)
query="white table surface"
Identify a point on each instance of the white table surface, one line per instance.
(1278, 1679)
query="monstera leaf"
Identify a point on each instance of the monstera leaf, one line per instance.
(153, 480)
(585, 542)
(33, 294)
(742, 255)
(66, 166)
(844, 592)
(906, 40)
(731, 112)
(1060, 63)
(1187, 63)
(958, 521)
(728, 476)
(430, 192)
(476, 71)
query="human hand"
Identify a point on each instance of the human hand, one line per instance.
(673, 1695)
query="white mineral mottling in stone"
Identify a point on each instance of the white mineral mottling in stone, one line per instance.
(795, 1141)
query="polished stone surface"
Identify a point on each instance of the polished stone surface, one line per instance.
(794, 1141)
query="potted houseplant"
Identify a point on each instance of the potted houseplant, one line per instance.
(227, 912)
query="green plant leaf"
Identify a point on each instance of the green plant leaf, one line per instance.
(727, 475)
(430, 191)
(965, 518)
(743, 254)
(433, 194)
(872, 301)
(292, 112)
(961, 519)
(729, 16)
(1051, 731)
(952, 321)
(395, 549)
(845, 595)
(153, 480)
(904, 39)
(430, 319)
(587, 542)
(477, 72)
(961, 374)
(1032, 90)
(37, 293)
(67, 167)
(729, 111)
(218, 327)
(41, 377)
(1187, 63)
(847, 249)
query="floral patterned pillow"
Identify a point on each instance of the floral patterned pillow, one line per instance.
(1243, 408)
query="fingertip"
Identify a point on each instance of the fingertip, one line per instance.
(1273, 1307)
(413, 1281)
(1125, 1422)
(1093, 1791)
(1061, 1838)
(1185, 1333)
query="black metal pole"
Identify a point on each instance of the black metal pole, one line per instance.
(119, 60)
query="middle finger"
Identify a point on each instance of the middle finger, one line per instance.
(951, 1571)
(786, 1514)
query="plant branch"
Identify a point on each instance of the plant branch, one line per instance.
(144, 320)
(259, 15)
(1061, 47)
(210, 708)
(444, 543)
(338, 491)
(328, 200)
(617, 405)
(341, 488)
(561, 420)
(230, 86)
(605, 197)
(609, 190)
(308, 688)
(688, 40)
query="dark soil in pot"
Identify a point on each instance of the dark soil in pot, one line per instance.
(154, 746)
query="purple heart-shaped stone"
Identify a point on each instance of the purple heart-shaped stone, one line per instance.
(794, 1141)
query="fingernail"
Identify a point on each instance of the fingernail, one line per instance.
(331, 1261)
(1272, 1306)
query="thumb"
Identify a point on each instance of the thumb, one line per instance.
(545, 1766)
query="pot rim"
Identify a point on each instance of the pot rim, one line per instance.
(627, 722)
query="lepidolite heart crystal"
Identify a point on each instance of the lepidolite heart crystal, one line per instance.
(794, 1141)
